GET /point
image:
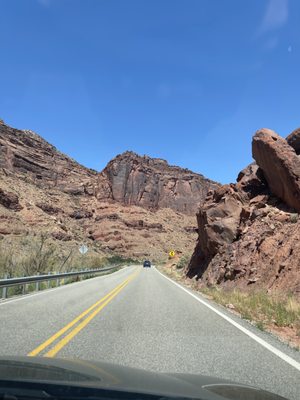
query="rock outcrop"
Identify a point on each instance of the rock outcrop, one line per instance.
(10, 200)
(280, 165)
(293, 140)
(151, 183)
(249, 231)
(219, 224)
(24, 154)
(252, 181)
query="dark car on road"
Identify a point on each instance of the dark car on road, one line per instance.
(147, 264)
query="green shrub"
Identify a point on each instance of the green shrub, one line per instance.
(183, 262)
(293, 218)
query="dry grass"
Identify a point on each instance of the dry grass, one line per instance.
(39, 254)
(276, 313)
(259, 306)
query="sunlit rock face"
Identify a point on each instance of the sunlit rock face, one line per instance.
(249, 232)
(152, 183)
(137, 206)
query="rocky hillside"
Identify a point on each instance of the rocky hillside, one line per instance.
(137, 206)
(27, 156)
(249, 232)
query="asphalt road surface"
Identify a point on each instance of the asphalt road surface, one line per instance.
(139, 318)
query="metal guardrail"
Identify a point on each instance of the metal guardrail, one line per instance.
(23, 281)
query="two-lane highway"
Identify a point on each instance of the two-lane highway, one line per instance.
(137, 317)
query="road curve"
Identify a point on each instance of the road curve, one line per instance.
(137, 317)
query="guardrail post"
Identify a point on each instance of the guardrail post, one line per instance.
(57, 280)
(37, 285)
(4, 290)
(24, 289)
(49, 273)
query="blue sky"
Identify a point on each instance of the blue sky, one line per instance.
(189, 81)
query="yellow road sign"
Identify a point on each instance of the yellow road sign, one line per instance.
(172, 253)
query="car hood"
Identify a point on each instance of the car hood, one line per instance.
(114, 377)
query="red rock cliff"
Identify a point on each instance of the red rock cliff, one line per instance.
(128, 179)
(152, 183)
(249, 231)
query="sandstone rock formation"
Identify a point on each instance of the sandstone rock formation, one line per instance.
(249, 231)
(128, 179)
(151, 183)
(293, 140)
(280, 165)
(251, 180)
(137, 206)
(25, 154)
(10, 200)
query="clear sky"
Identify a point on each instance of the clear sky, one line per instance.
(189, 81)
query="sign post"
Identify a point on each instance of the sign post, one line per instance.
(83, 249)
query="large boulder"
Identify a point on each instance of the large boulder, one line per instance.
(293, 140)
(10, 200)
(252, 181)
(280, 165)
(219, 219)
(218, 225)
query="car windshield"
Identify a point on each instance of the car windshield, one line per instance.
(150, 193)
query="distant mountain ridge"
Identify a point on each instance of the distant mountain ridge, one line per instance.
(129, 178)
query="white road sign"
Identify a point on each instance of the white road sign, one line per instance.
(83, 249)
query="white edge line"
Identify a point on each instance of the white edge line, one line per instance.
(252, 335)
(27, 296)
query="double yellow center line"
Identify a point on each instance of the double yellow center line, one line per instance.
(89, 313)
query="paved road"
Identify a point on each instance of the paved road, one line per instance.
(139, 318)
